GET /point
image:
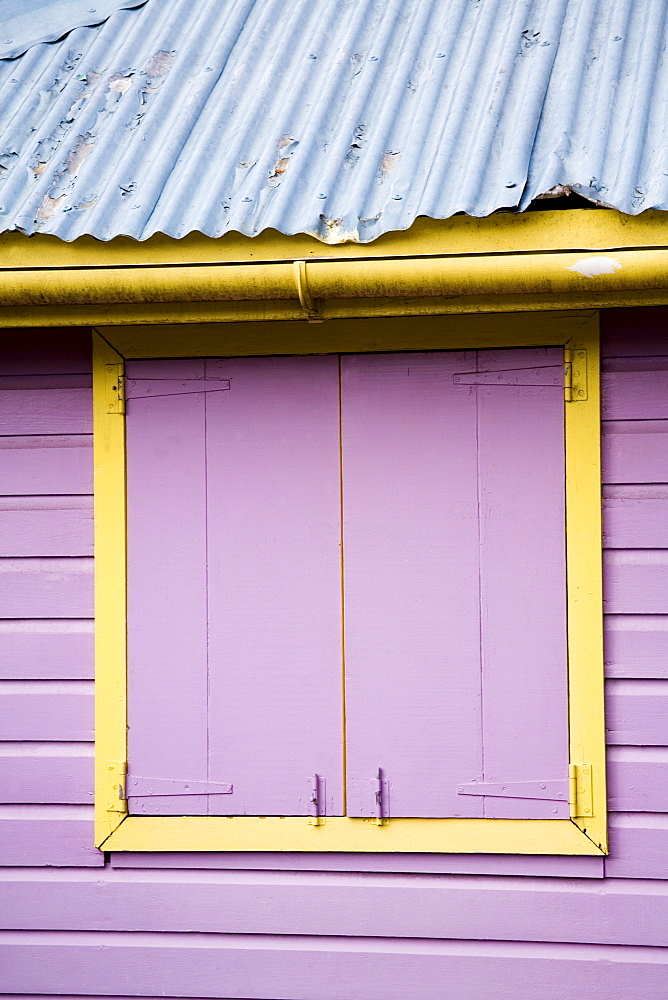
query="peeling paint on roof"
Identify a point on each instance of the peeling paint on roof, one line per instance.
(24, 23)
(344, 119)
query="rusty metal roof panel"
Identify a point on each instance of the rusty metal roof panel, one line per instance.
(340, 118)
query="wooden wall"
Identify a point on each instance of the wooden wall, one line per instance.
(332, 927)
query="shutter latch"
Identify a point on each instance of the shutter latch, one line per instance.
(575, 375)
(316, 799)
(381, 797)
(146, 788)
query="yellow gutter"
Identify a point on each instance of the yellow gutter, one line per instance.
(335, 288)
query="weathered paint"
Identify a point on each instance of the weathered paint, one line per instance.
(276, 926)
(345, 120)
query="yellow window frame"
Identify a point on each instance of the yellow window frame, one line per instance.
(585, 833)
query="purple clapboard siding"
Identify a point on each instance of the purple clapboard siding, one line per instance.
(636, 645)
(60, 835)
(631, 394)
(420, 445)
(37, 465)
(36, 410)
(322, 904)
(46, 526)
(247, 489)
(634, 333)
(410, 864)
(46, 772)
(45, 351)
(636, 581)
(46, 710)
(46, 649)
(638, 846)
(411, 584)
(284, 966)
(638, 779)
(635, 451)
(635, 517)
(46, 588)
(637, 712)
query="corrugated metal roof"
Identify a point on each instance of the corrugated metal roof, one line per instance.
(23, 23)
(340, 118)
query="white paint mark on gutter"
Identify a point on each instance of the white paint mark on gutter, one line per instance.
(591, 267)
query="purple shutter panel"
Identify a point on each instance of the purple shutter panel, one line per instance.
(455, 621)
(275, 585)
(521, 453)
(234, 583)
(167, 678)
(412, 644)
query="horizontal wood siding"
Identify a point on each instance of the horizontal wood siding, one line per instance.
(635, 508)
(46, 601)
(296, 967)
(296, 927)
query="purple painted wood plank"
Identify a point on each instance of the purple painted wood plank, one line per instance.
(46, 411)
(260, 966)
(51, 381)
(320, 904)
(636, 522)
(412, 864)
(34, 465)
(522, 571)
(638, 846)
(638, 779)
(58, 835)
(411, 584)
(635, 581)
(46, 588)
(636, 712)
(46, 772)
(636, 645)
(634, 332)
(635, 451)
(274, 573)
(46, 649)
(167, 594)
(45, 351)
(636, 395)
(46, 710)
(46, 526)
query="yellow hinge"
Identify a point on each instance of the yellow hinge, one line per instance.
(114, 394)
(575, 375)
(581, 798)
(117, 770)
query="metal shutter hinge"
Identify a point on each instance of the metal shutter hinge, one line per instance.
(117, 770)
(146, 788)
(548, 790)
(575, 375)
(581, 798)
(114, 393)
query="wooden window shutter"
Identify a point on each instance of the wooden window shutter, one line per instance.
(448, 471)
(455, 595)
(234, 591)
